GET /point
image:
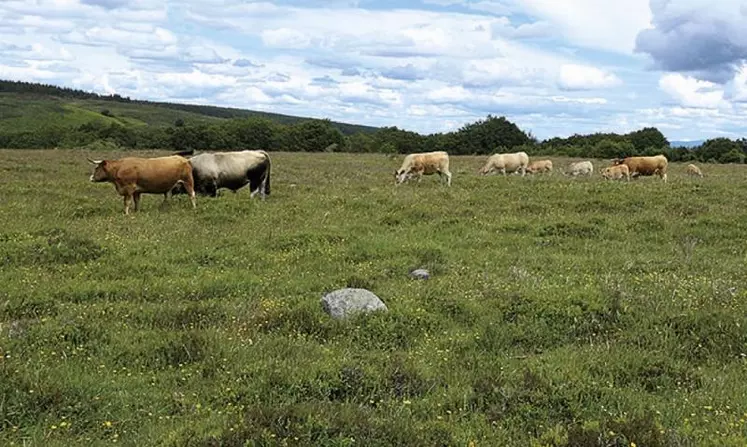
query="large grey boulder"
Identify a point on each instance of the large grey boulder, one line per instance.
(343, 303)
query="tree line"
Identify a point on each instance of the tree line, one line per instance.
(486, 136)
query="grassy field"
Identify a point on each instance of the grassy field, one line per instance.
(561, 311)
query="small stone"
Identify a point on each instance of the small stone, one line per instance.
(343, 303)
(420, 274)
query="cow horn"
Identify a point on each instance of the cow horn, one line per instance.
(96, 162)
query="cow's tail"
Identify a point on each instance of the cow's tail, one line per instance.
(266, 182)
(259, 176)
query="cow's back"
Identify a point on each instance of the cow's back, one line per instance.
(153, 175)
(646, 165)
(428, 162)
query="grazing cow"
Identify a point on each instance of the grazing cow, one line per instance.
(232, 170)
(423, 164)
(655, 165)
(506, 163)
(580, 168)
(540, 166)
(616, 172)
(133, 176)
(694, 170)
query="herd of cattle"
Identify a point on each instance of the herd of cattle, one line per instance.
(205, 174)
(417, 165)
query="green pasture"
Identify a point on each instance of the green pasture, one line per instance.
(560, 312)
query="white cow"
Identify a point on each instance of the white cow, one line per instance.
(506, 163)
(580, 168)
(427, 163)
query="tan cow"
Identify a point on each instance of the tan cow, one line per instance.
(427, 163)
(133, 176)
(506, 163)
(580, 168)
(540, 166)
(616, 172)
(652, 165)
(694, 170)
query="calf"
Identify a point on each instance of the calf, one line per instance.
(540, 166)
(616, 172)
(694, 170)
(580, 168)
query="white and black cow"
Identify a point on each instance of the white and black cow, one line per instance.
(232, 170)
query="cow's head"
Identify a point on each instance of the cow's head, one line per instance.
(400, 175)
(617, 161)
(101, 172)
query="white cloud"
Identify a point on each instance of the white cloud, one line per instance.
(581, 77)
(607, 25)
(737, 88)
(691, 92)
(285, 38)
(144, 37)
(600, 101)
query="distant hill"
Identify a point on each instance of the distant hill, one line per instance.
(689, 144)
(26, 106)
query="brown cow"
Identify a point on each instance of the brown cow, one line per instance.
(655, 165)
(694, 170)
(133, 176)
(540, 166)
(616, 172)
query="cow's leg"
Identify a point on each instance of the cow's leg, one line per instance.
(165, 199)
(448, 177)
(190, 187)
(127, 199)
(523, 171)
(136, 199)
(212, 189)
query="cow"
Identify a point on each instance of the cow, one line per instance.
(540, 166)
(580, 168)
(233, 170)
(133, 176)
(426, 163)
(616, 172)
(506, 163)
(652, 165)
(694, 170)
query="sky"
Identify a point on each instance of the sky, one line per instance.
(553, 67)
